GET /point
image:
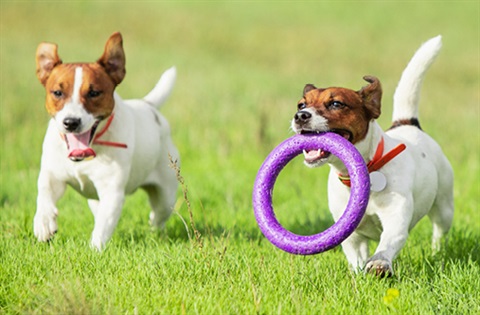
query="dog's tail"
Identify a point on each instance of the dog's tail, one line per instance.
(162, 89)
(407, 94)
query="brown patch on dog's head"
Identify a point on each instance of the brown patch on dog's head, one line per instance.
(98, 80)
(344, 111)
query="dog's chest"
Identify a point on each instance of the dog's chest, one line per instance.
(82, 182)
(370, 227)
(84, 186)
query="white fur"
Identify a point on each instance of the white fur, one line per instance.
(77, 84)
(163, 88)
(114, 172)
(420, 180)
(407, 94)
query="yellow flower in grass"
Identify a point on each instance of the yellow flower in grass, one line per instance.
(391, 296)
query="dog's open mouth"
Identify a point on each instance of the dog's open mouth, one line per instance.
(313, 156)
(78, 145)
(318, 156)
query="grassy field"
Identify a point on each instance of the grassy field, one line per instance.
(241, 68)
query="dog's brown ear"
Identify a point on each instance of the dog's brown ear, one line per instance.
(372, 96)
(113, 58)
(308, 88)
(47, 59)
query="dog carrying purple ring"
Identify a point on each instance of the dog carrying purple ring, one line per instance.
(346, 224)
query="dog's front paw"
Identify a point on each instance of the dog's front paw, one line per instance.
(99, 240)
(45, 225)
(97, 243)
(379, 267)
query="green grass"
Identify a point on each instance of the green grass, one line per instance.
(241, 69)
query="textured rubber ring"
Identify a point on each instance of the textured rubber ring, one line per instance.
(346, 224)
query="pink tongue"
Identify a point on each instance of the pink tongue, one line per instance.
(313, 155)
(78, 146)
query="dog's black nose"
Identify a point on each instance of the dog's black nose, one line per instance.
(71, 124)
(302, 116)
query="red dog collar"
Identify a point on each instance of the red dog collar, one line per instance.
(378, 161)
(107, 143)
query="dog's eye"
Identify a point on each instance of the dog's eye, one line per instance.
(301, 106)
(93, 93)
(57, 93)
(336, 105)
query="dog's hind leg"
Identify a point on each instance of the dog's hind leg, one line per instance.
(162, 201)
(161, 186)
(441, 214)
(441, 217)
(161, 192)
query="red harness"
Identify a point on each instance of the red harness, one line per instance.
(378, 161)
(107, 143)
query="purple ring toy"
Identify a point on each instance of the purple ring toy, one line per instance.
(346, 224)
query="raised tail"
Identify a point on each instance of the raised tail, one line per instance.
(162, 89)
(407, 94)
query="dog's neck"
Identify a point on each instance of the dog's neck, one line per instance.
(104, 122)
(366, 147)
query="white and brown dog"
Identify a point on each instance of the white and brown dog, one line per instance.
(102, 146)
(410, 175)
